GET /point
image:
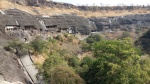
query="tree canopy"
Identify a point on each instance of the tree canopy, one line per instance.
(118, 62)
(56, 71)
(115, 61)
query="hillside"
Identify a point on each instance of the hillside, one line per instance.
(51, 39)
(57, 9)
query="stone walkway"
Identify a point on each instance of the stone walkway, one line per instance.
(29, 67)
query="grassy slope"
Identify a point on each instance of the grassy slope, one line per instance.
(55, 11)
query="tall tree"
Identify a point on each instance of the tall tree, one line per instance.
(118, 62)
(56, 71)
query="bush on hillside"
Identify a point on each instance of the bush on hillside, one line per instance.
(15, 47)
(93, 38)
(59, 37)
(38, 45)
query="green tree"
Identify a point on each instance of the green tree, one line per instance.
(38, 45)
(87, 46)
(87, 61)
(145, 62)
(56, 71)
(118, 62)
(63, 75)
(16, 47)
(73, 61)
(93, 38)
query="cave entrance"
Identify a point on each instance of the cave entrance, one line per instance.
(72, 30)
(29, 27)
(11, 28)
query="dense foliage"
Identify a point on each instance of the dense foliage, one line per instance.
(118, 61)
(56, 71)
(110, 62)
(17, 47)
(38, 45)
(93, 38)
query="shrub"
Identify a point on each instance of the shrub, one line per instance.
(24, 52)
(38, 45)
(66, 35)
(70, 38)
(73, 61)
(93, 38)
(51, 40)
(124, 35)
(14, 46)
(59, 37)
(87, 61)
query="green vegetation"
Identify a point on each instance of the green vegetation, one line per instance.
(59, 37)
(63, 75)
(38, 45)
(17, 47)
(124, 35)
(118, 61)
(110, 62)
(93, 38)
(89, 42)
(56, 71)
(144, 42)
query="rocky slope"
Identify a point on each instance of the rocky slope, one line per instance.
(123, 18)
(10, 70)
(130, 23)
(5, 82)
(43, 7)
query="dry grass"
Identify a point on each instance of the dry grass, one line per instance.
(39, 58)
(4, 4)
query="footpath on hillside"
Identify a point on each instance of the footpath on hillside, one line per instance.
(29, 68)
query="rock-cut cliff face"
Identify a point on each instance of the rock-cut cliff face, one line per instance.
(10, 69)
(29, 2)
(137, 22)
(57, 23)
(19, 24)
